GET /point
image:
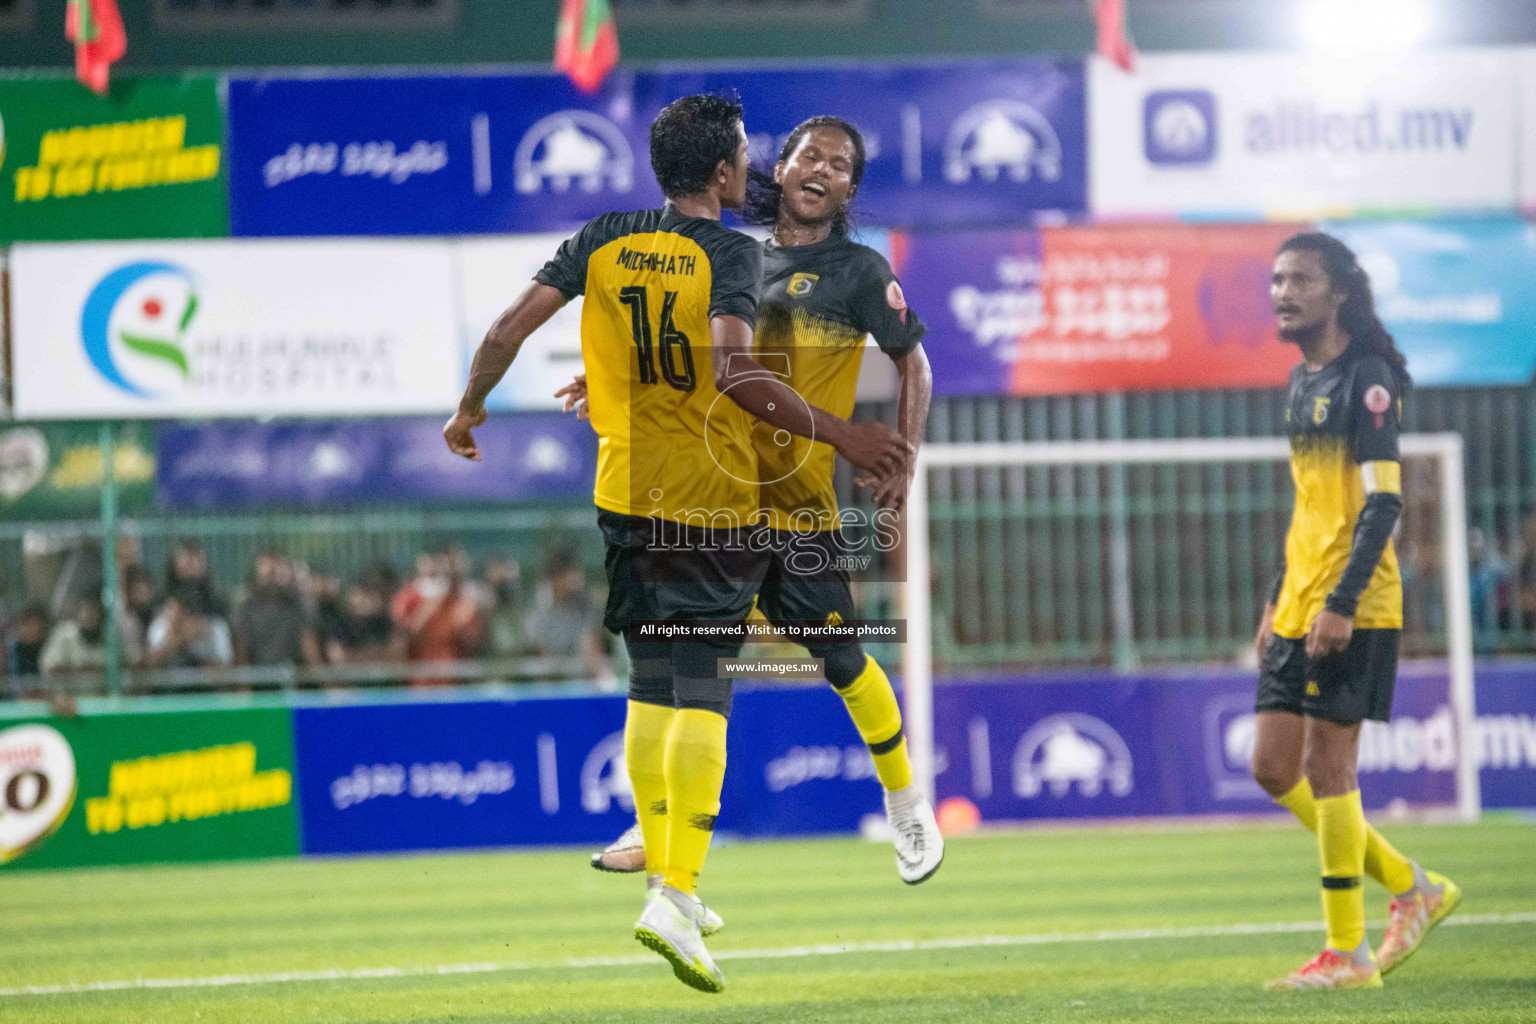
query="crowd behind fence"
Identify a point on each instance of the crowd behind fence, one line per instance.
(400, 597)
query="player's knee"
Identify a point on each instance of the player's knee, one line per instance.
(842, 663)
(1329, 771)
(704, 694)
(695, 676)
(1277, 776)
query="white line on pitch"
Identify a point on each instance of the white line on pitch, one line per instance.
(782, 953)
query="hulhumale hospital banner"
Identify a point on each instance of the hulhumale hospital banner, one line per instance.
(952, 143)
(145, 162)
(178, 329)
(1097, 308)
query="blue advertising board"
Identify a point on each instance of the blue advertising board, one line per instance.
(951, 143)
(239, 464)
(1458, 295)
(546, 771)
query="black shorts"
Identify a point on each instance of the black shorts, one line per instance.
(1347, 687)
(663, 570)
(806, 581)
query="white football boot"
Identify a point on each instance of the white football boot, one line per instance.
(708, 925)
(919, 846)
(670, 925)
(625, 855)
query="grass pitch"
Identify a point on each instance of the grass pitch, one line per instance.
(1093, 925)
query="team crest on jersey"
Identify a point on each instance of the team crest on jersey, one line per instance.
(1378, 400)
(800, 285)
(1320, 410)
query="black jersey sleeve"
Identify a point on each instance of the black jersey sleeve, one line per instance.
(881, 308)
(736, 276)
(1374, 444)
(567, 271)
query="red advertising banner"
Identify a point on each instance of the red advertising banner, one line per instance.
(1087, 309)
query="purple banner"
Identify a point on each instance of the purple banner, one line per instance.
(229, 464)
(1088, 746)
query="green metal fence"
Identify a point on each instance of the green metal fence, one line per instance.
(1026, 557)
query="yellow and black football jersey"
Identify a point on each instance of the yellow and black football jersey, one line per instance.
(652, 280)
(1343, 422)
(819, 301)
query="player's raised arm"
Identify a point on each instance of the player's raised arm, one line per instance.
(914, 398)
(751, 385)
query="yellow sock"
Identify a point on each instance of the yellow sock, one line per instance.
(695, 772)
(1382, 861)
(1341, 842)
(645, 755)
(872, 706)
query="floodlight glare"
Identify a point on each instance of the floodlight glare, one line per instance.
(1346, 28)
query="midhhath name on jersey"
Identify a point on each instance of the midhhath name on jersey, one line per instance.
(659, 262)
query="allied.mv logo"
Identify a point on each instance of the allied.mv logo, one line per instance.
(1002, 138)
(574, 147)
(133, 324)
(1179, 127)
(1071, 750)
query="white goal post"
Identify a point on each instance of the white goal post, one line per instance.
(917, 668)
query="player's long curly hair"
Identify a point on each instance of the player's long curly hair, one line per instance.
(764, 195)
(1357, 317)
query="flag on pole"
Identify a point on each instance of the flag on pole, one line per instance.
(1114, 40)
(96, 29)
(586, 42)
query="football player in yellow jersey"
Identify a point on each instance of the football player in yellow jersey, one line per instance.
(823, 294)
(666, 335)
(1329, 637)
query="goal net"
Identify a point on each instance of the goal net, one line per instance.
(1147, 563)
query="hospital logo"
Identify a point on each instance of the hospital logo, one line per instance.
(1002, 139)
(133, 325)
(1071, 751)
(1179, 127)
(574, 147)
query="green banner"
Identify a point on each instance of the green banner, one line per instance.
(53, 470)
(147, 161)
(126, 789)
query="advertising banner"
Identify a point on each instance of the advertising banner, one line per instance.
(178, 329)
(121, 789)
(539, 772)
(492, 273)
(1459, 296)
(242, 465)
(53, 471)
(949, 143)
(1098, 308)
(1287, 137)
(1086, 746)
(145, 162)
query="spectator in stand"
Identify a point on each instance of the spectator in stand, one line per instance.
(182, 636)
(79, 643)
(325, 603)
(272, 626)
(24, 644)
(1490, 590)
(187, 576)
(363, 633)
(566, 620)
(504, 607)
(139, 598)
(1527, 576)
(439, 620)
